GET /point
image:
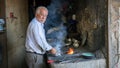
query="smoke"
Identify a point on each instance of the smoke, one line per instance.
(56, 31)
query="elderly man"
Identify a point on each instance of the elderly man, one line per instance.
(36, 44)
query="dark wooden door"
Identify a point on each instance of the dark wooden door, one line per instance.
(3, 50)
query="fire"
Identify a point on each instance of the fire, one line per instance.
(70, 51)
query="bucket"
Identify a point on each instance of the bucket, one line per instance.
(1, 27)
(1, 24)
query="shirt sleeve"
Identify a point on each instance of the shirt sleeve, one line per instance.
(39, 35)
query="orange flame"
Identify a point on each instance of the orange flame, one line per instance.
(70, 51)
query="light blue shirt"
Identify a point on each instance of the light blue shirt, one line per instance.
(35, 39)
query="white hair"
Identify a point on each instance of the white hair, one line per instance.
(39, 8)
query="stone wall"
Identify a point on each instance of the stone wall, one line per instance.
(16, 22)
(114, 33)
(92, 19)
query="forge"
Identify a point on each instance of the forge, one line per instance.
(78, 26)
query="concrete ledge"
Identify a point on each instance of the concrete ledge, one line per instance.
(97, 63)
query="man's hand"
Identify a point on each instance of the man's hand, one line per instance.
(53, 51)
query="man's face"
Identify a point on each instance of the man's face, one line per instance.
(41, 17)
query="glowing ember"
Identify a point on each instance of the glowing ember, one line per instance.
(70, 51)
